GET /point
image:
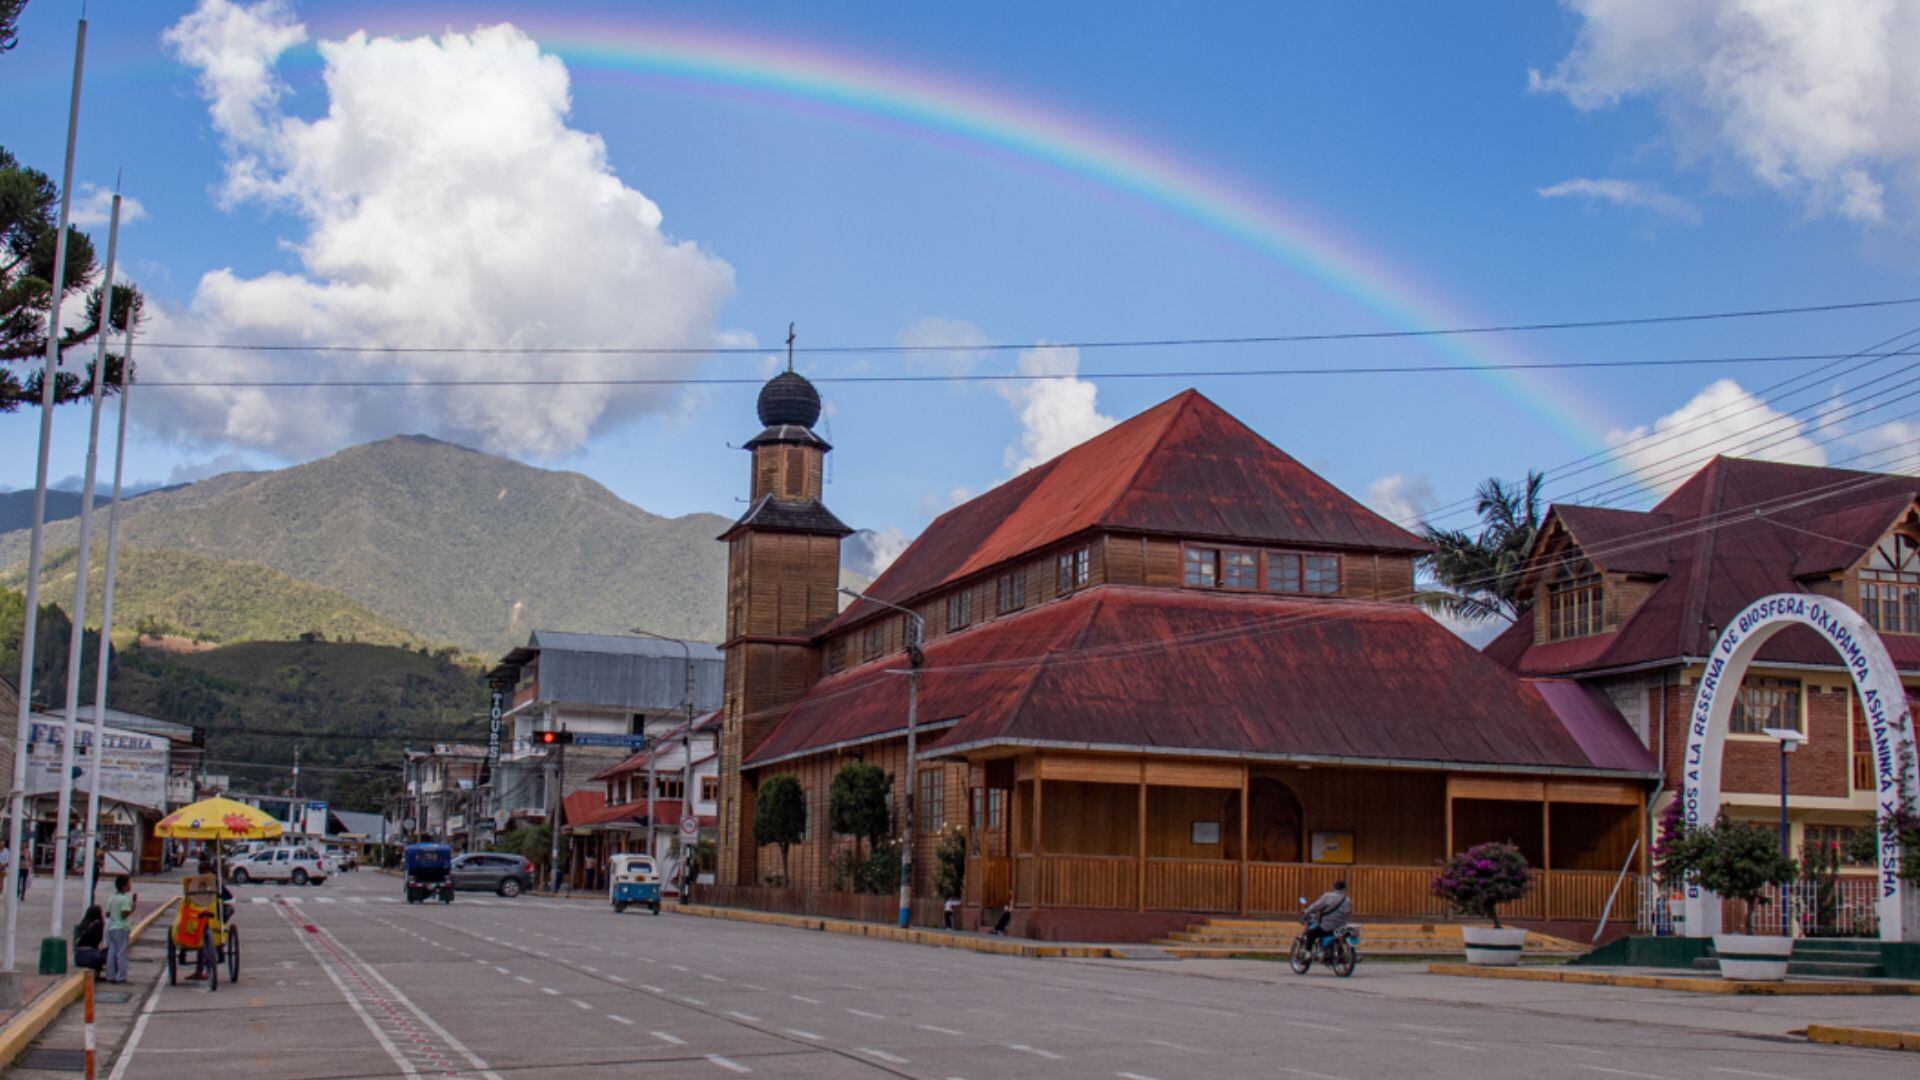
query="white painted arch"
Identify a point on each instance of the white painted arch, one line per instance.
(1889, 727)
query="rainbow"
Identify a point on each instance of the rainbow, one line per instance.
(812, 77)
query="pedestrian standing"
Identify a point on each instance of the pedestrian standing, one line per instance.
(26, 867)
(951, 910)
(119, 927)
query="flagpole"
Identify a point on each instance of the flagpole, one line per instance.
(106, 606)
(82, 563)
(16, 799)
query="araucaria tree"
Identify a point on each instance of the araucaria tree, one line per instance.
(29, 226)
(780, 817)
(1476, 576)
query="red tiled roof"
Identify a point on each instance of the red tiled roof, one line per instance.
(1184, 467)
(1737, 530)
(1170, 670)
(581, 804)
(639, 760)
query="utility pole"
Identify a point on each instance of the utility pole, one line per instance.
(106, 608)
(916, 633)
(553, 818)
(686, 744)
(77, 639)
(16, 799)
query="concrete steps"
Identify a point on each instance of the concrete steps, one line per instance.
(1847, 958)
(1225, 936)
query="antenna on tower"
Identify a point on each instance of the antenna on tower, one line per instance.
(790, 337)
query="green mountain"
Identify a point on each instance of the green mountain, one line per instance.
(443, 543)
(190, 595)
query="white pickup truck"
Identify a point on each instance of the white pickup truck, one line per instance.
(295, 866)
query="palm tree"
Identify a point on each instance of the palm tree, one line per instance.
(1477, 577)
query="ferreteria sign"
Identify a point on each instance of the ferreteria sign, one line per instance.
(1889, 728)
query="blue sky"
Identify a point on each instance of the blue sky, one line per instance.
(1410, 128)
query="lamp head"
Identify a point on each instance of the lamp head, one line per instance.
(1788, 738)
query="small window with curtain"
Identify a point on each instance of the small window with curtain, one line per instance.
(1203, 567)
(1011, 591)
(959, 610)
(1766, 703)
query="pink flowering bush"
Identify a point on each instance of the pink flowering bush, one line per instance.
(1478, 880)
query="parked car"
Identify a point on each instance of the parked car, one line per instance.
(295, 866)
(343, 857)
(492, 871)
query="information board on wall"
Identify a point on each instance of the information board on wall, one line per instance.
(133, 766)
(1331, 847)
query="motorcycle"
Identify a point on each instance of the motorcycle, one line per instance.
(1340, 952)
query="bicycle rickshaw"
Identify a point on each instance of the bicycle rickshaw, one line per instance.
(204, 928)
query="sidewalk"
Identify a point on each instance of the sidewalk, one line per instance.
(116, 1008)
(1777, 1017)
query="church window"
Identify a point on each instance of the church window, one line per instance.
(1071, 570)
(1011, 591)
(1203, 571)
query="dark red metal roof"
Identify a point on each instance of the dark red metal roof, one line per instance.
(1737, 530)
(1184, 467)
(581, 804)
(1172, 670)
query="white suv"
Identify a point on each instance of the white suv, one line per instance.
(296, 866)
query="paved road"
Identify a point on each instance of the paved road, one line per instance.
(343, 980)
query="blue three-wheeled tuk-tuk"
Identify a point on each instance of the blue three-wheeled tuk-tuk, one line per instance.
(633, 879)
(429, 873)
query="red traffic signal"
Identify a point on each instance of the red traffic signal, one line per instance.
(552, 738)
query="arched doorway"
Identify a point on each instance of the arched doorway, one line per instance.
(1273, 822)
(1889, 727)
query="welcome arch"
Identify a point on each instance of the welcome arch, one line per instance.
(1889, 726)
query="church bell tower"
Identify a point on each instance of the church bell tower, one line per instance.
(783, 579)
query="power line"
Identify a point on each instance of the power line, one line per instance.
(1013, 376)
(1132, 343)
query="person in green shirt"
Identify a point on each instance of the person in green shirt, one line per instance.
(119, 927)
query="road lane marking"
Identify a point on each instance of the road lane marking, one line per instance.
(1453, 1045)
(865, 1013)
(1310, 1073)
(651, 989)
(1621, 1072)
(1750, 1072)
(1176, 1046)
(1132, 1076)
(672, 1040)
(139, 1029)
(693, 1001)
(891, 1059)
(619, 1019)
(713, 978)
(260, 900)
(808, 1035)
(737, 1015)
(677, 967)
(594, 971)
(1432, 1030)
(727, 1064)
(550, 990)
(578, 1004)
(616, 978)
(941, 1030)
(1035, 1051)
(524, 979)
(808, 1000)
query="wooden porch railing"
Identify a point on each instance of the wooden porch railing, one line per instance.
(1192, 884)
(1089, 881)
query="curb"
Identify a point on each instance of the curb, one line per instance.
(28, 1023)
(1682, 983)
(1871, 1038)
(937, 938)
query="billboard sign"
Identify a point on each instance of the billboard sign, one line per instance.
(131, 765)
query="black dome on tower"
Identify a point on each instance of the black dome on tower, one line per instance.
(789, 398)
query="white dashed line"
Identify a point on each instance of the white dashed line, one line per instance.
(616, 978)
(550, 990)
(672, 1040)
(677, 967)
(651, 989)
(868, 1015)
(1132, 1076)
(1621, 1072)
(713, 978)
(1175, 1046)
(693, 1001)
(730, 1066)
(1035, 1051)
(892, 1059)
(524, 979)
(619, 1019)
(578, 1004)
(808, 1035)
(1453, 1045)
(737, 1015)
(941, 1030)
(808, 1000)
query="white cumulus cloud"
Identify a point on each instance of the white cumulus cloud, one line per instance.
(1400, 498)
(1721, 419)
(445, 204)
(93, 208)
(1816, 99)
(868, 552)
(1055, 414)
(1627, 193)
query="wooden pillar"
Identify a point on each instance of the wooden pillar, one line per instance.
(1039, 834)
(1140, 875)
(1448, 854)
(1245, 791)
(1546, 827)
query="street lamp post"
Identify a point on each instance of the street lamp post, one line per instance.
(916, 634)
(686, 766)
(1789, 740)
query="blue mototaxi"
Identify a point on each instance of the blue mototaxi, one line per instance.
(633, 879)
(429, 870)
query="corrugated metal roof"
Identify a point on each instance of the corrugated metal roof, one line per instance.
(1737, 530)
(1174, 670)
(620, 671)
(358, 823)
(1184, 468)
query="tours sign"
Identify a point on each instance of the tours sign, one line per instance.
(1890, 731)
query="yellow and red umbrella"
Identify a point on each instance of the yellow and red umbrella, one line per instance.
(218, 819)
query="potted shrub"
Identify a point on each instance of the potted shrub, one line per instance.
(1476, 882)
(1736, 860)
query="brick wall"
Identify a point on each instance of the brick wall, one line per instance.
(1823, 766)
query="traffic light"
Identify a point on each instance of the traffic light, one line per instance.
(552, 738)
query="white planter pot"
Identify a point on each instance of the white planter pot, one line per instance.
(1753, 958)
(1493, 948)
